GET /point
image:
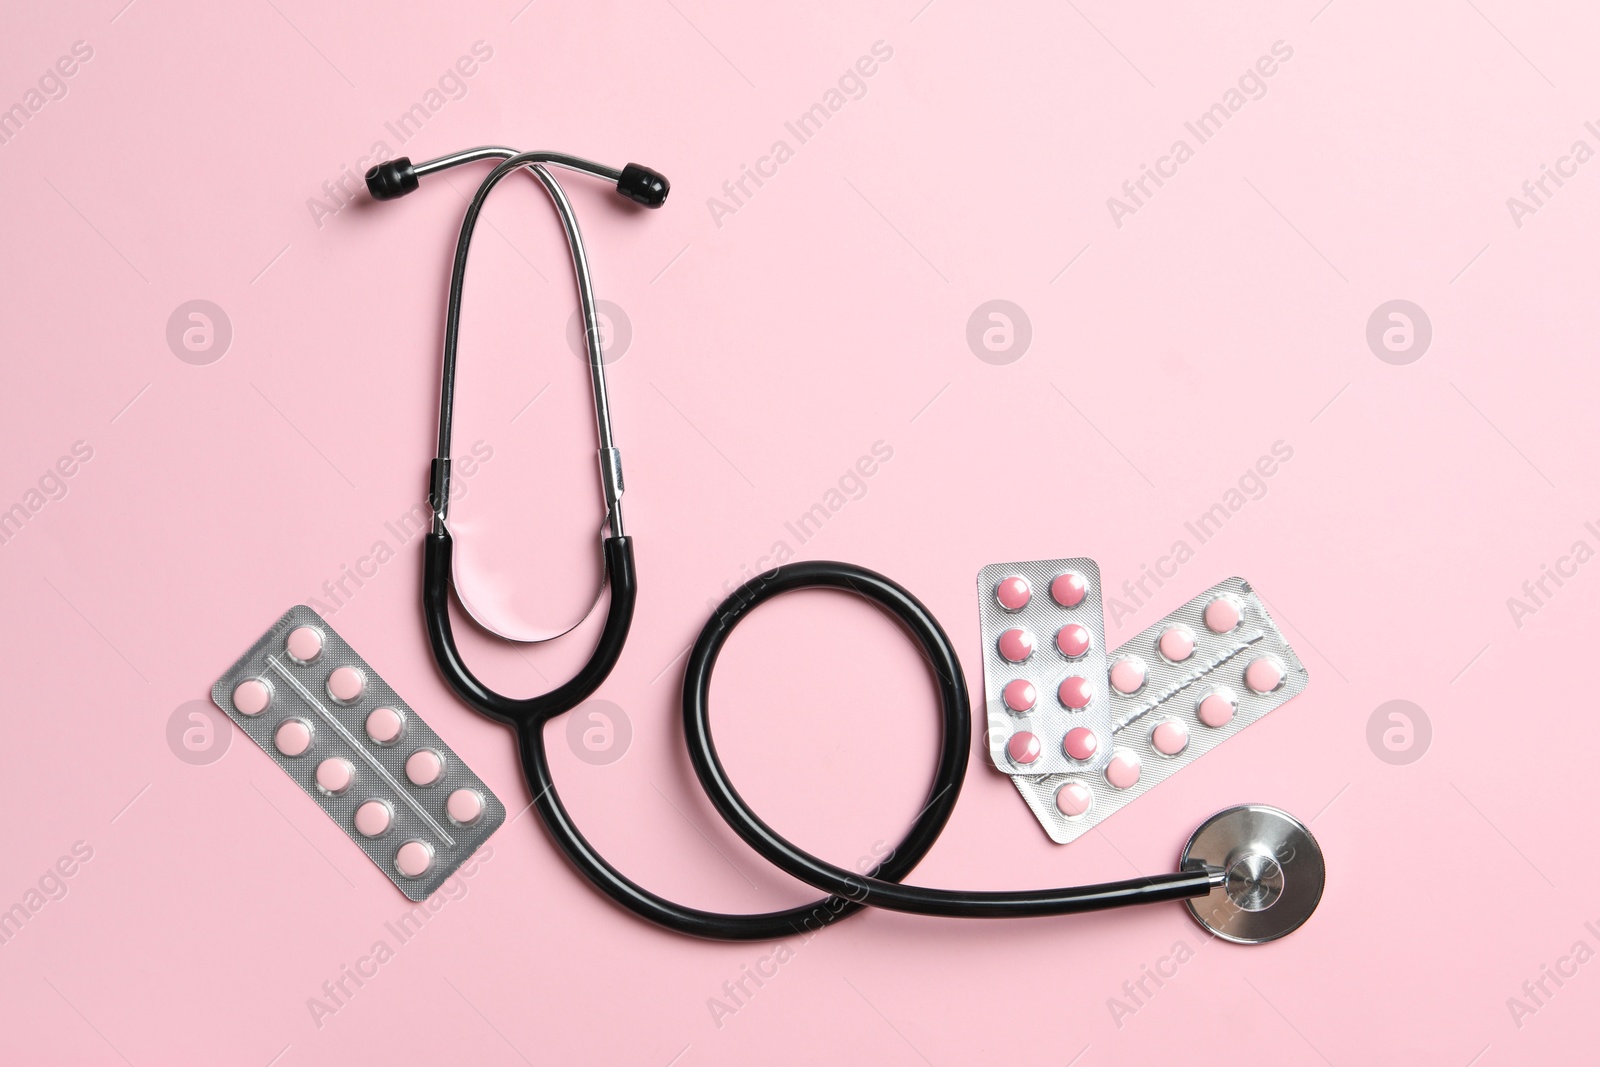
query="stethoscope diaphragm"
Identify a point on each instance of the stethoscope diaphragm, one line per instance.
(1273, 871)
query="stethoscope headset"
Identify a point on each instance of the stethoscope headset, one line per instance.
(1249, 874)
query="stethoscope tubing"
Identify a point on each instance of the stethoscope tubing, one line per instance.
(847, 891)
(955, 740)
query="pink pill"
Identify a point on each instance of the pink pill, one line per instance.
(1080, 743)
(1127, 675)
(1223, 614)
(1016, 645)
(345, 684)
(1019, 695)
(1013, 593)
(1073, 799)
(1123, 770)
(1074, 692)
(385, 725)
(1177, 643)
(252, 696)
(304, 644)
(293, 737)
(414, 858)
(1023, 747)
(373, 818)
(1069, 589)
(424, 766)
(1170, 738)
(1217, 709)
(465, 806)
(1264, 674)
(1072, 640)
(335, 775)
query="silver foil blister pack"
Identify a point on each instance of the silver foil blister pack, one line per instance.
(360, 751)
(1185, 645)
(1164, 730)
(1044, 666)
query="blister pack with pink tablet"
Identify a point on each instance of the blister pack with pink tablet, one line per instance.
(1044, 666)
(1182, 712)
(1185, 645)
(363, 754)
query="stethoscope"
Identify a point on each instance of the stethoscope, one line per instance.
(1249, 874)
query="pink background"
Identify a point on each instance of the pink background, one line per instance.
(769, 353)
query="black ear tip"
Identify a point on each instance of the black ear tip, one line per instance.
(391, 180)
(643, 185)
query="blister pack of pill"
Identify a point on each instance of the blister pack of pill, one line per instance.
(1044, 666)
(1185, 645)
(363, 754)
(1179, 715)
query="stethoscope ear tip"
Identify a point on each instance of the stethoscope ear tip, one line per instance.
(1268, 873)
(391, 180)
(643, 185)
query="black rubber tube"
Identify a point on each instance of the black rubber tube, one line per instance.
(848, 891)
(872, 889)
(532, 712)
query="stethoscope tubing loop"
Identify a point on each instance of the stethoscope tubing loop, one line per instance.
(955, 740)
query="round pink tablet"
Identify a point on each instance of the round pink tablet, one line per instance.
(385, 725)
(293, 737)
(1177, 643)
(424, 766)
(1016, 645)
(1068, 589)
(1013, 593)
(1080, 743)
(373, 818)
(465, 806)
(1264, 674)
(1073, 799)
(1170, 738)
(414, 858)
(1127, 674)
(345, 684)
(1019, 695)
(1216, 710)
(304, 644)
(1074, 692)
(1023, 747)
(1223, 614)
(1123, 770)
(335, 775)
(252, 696)
(1072, 640)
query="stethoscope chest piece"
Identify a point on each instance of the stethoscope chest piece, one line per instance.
(1274, 873)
